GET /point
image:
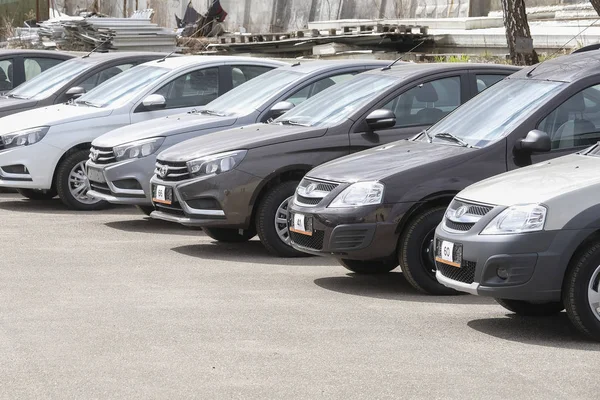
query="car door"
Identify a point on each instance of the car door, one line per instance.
(416, 106)
(183, 93)
(238, 74)
(480, 80)
(35, 65)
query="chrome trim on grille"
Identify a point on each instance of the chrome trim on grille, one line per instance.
(310, 192)
(461, 216)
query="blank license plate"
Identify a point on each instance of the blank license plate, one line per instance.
(96, 175)
(300, 224)
(162, 194)
(449, 253)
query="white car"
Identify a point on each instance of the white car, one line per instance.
(43, 151)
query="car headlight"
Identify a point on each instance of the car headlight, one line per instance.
(138, 149)
(359, 194)
(517, 219)
(24, 138)
(216, 163)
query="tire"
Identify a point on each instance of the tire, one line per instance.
(145, 209)
(528, 309)
(38, 195)
(72, 165)
(229, 235)
(266, 213)
(415, 252)
(368, 267)
(584, 275)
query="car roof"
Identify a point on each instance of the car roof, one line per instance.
(49, 53)
(567, 68)
(417, 70)
(183, 61)
(98, 58)
(309, 66)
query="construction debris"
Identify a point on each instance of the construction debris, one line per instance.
(196, 25)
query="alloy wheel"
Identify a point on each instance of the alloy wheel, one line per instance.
(281, 221)
(79, 185)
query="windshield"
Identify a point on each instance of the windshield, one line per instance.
(50, 81)
(339, 102)
(248, 97)
(494, 113)
(123, 88)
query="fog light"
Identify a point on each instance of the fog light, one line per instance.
(502, 273)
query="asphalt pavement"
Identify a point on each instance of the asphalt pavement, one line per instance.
(113, 305)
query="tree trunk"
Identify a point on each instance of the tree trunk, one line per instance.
(517, 33)
(596, 5)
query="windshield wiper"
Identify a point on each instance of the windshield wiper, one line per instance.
(426, 132)
(211, 112)
(14, 96)
(89, 104)
(290, 122)
(451, 137)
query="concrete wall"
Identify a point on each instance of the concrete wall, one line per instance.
(289, 15)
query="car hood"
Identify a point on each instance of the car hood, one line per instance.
(384, 161)
(49, 116)
(245, 137)
(167, 126)
(539, 183)
(10, 105)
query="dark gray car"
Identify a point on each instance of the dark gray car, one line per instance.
(126, 180)
(382, 206)
(70, 79)
(237, 183)
(18, 65)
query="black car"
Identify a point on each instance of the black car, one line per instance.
(70, 79)
(18, 66)
(379, 209)
(236, 183)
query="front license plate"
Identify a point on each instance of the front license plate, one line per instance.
(299, 223)
(162, 194)
(449, 253)
(96, 175)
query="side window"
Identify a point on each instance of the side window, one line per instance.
(196, 88)
(316, 87)
(485, 81)
(243, 73)
(6, 75)
(104, 75)
(574, 123)
(36, 65)
(426, 103)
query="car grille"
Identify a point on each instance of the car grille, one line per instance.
(102, 155)
(462, 216)
(314, 242)
(464, 274)
(172, 171)
(310, 192)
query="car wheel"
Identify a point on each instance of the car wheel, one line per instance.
(368, 267)
(145, 209)
(581, 292)
(271, 220)
(37, 194)
(529, 309)
(72, 184)
(416, 252)
(229, 235)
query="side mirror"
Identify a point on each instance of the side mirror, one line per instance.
(381, 119)
(75, 92)
(280, 108)
(154, 102)
(535, 141)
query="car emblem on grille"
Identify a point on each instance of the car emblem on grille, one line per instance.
(94, 153)
(163, 171)
(461, 211)
(310, 188)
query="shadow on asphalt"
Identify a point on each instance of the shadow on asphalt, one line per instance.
(392, 286)
(54, 206)
(554, 331)
(250, 252)
(149, 225)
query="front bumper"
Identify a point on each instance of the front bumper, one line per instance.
(533, 264)
(29, 167)
(126, 182)
(356, 233)
(223, 200)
